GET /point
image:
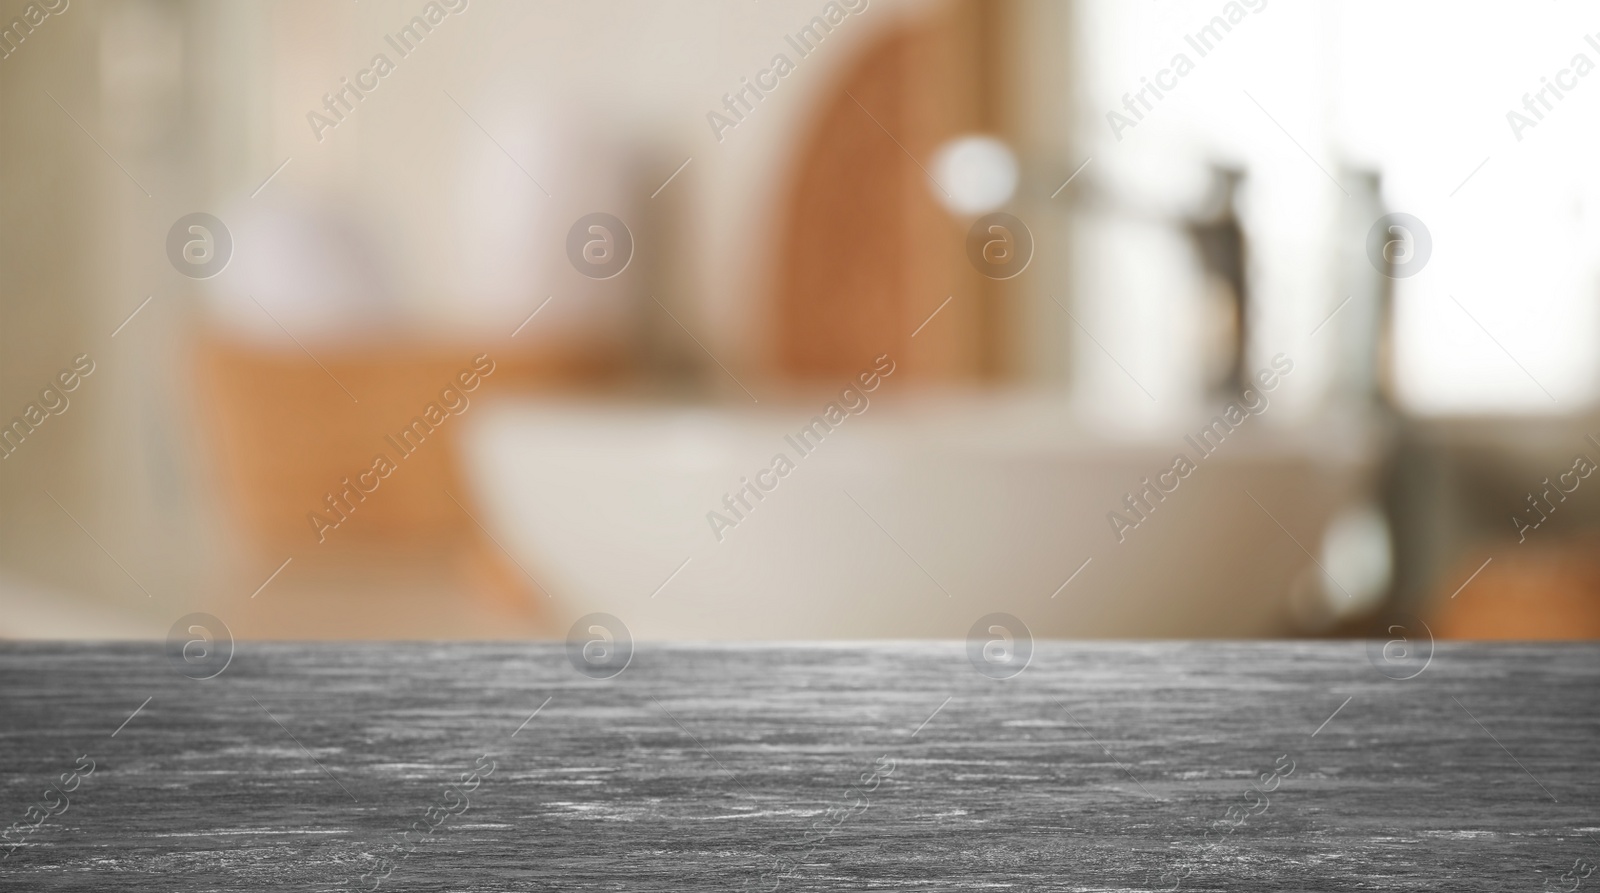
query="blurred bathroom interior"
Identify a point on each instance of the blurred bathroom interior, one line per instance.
(1202, 400)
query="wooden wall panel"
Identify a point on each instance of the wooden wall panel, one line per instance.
(869, 252)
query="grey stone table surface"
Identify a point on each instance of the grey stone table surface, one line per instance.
(848, 766)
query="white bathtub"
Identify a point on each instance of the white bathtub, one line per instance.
(985, 504)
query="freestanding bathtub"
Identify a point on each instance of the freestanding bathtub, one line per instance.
(908, 520)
